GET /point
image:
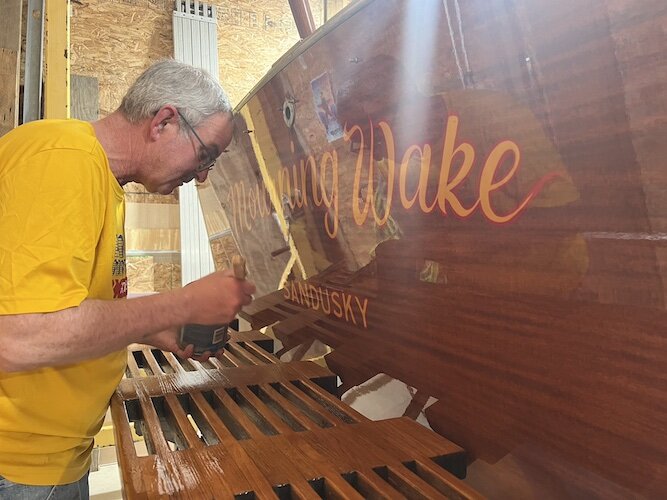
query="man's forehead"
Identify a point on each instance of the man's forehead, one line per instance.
(218, 130)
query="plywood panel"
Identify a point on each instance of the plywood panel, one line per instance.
(85, 98)
(115, 40)
(253, 35)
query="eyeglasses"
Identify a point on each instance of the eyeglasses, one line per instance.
(209, 162)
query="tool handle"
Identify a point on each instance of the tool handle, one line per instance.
(238, 265)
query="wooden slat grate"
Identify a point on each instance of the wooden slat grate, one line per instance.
(265, 429)
(247, 411)
(244, 349)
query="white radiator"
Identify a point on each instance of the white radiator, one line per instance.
(196, 43)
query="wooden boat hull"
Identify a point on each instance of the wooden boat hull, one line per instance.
(475, 192)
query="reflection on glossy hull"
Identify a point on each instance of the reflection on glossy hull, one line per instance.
(481, 186)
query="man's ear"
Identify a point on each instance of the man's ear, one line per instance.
(166, 115)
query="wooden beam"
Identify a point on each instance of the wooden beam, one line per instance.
(303, 17)
(56, 56)
(10, 52)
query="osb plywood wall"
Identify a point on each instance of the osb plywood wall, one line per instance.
(115, 40)
(253, 34)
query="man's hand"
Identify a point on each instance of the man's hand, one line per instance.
(167, 340)
(216, 298)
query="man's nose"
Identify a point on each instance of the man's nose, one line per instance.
(201, 176)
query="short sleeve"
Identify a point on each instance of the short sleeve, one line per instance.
(51, 216)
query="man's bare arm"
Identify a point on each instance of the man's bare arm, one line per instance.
(98, 327)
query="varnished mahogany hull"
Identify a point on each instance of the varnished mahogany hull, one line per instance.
(507, 254)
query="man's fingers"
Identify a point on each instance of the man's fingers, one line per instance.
(185, 353)
(203, 357)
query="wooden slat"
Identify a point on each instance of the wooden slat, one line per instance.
(233, 359)
(336, 488)
(326, 329)
(152, 430)
(354, 447)
(259, 313)
(281, 471)
(289, 408)
(217, 363)
(238, 414)
(311, 462)
(182, 423)
(221, 431)
(260, 353)
(265, 411)
(255, 480)
(308, 454)
(132, 365)
(334, 402)
(253, 336)
(446, 483)
(227, 377)
(302, 490)
(345, 448)
(409, 440)
(196, 365)
(299, 319)
(125, 450)
(152, 362)
(301, 350)
(408, 481)
(374, 487)
(241, 353)
(173, 362)
(261, 303)
(300, 338)
(310, 404)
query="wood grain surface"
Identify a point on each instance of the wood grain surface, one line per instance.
(475, 193)
(265, 429)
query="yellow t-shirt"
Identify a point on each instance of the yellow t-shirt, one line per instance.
(61, 242)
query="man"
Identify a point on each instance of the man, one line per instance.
(62, 264)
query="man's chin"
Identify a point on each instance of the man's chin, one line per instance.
(167, 189)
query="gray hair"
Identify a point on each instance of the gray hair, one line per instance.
(193, 91)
